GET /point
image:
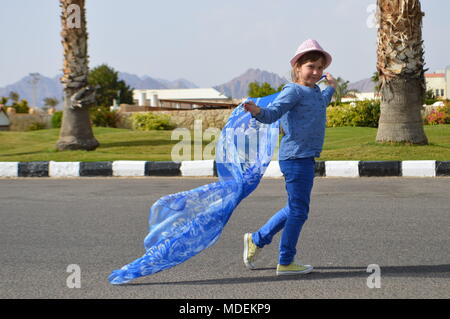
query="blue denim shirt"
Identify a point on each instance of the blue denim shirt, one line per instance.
(302, 110)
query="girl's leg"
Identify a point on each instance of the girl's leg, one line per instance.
(265, 234)
(299, 177)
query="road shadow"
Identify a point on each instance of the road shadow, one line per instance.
(319, 273)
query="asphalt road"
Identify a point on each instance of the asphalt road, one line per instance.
(400, 224)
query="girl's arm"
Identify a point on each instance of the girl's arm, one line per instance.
(331, 80)
(285, 101)
(328, 92)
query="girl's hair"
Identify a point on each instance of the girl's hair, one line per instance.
(311, 56)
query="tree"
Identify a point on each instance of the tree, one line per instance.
(109, 86)
(76, 130)
(51, 101)
(259, 90)
(430, 97)
(400, 64)
(20, 106)
(376, 80)
(342, 90)
(14, 96)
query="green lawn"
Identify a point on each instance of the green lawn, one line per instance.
(358, 143)
(343, 143)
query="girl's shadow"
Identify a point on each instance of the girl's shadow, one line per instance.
(433, 271)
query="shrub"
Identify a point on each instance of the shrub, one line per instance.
(339, 115)
(367, 114)
(102, 116)
(151, 121)
(361, 113)
(440, 115)
(21, 106)
(430, 101)
(57, 119)
(36, 126)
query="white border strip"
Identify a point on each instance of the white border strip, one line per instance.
(342, 168)
(197, 168)
(273, 170)
(9, 169)
(128, 168)
(419, 168)
(63, 169)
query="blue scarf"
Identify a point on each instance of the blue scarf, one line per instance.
(183, 224)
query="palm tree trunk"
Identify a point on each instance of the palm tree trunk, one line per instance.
(76, 131)
(400, 64)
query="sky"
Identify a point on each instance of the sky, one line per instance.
(207, 42)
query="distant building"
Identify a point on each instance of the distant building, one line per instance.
(361, 96)
(439, 83)
(4, 120)
(153, 98)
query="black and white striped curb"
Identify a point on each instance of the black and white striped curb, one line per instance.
(208, 168)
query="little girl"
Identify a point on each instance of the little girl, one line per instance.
(301, 105)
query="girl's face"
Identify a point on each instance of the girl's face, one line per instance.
(309, 73)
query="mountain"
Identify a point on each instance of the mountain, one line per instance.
(147, 82)
(43, 87)
(178, 84)
(136, 82)
(365, 85)
(237, 88)
(51, 87)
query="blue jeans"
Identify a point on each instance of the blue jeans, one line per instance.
(299, 177)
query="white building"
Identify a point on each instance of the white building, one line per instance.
(150, 97)
(439, 83)
(361, 96)
(4, 120)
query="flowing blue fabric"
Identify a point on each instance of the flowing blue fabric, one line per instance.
(183, 224)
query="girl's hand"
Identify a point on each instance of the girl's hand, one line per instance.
(331, 81)
(250, 106)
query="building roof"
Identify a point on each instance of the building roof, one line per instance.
(435, 75)
(183, 94)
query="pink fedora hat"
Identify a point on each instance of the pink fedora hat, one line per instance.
(307, 46)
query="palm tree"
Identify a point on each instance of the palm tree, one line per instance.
(14, 96)
(4, 100)
(76, 131)
(376, 80)
(400, 64)
(342, 90)
(51, 101)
